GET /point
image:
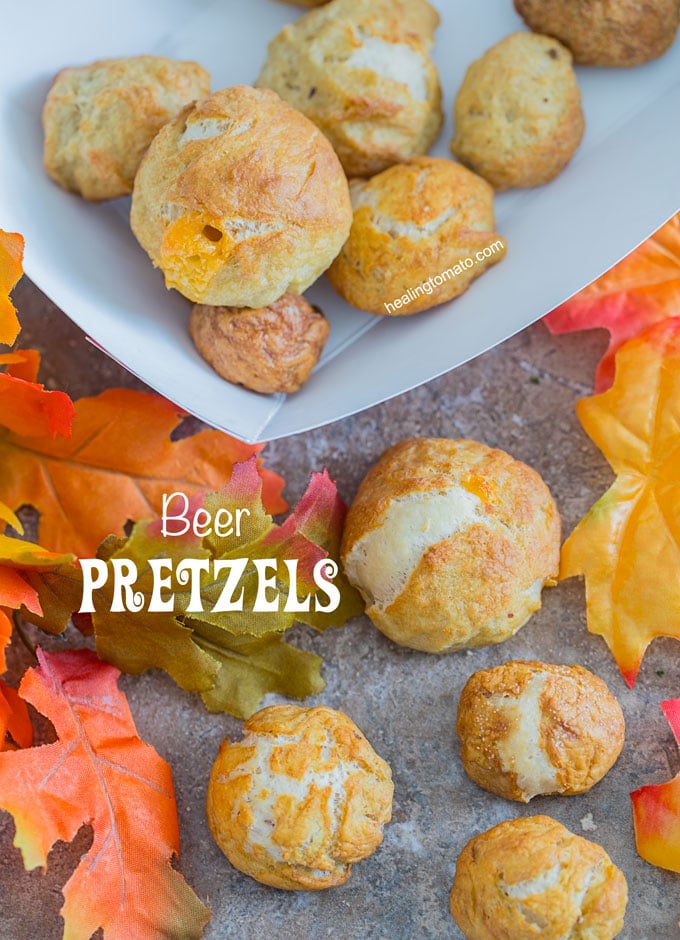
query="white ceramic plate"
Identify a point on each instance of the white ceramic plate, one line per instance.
(622, 184)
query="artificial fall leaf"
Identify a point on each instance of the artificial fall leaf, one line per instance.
(15, 724)
(656, 810)
(59, 593)
(22, 363)
(17, 558)
(320, 518)
(5, 637)
(9, 518)
(117, 465)
(27, 408)
(21, 554)
(250, 667)
(231, 657)
(99, 773)
(628, 545)
(11, 257)
(640, 290)
(15, 592)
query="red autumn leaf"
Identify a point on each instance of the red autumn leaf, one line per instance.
(117, 465)
(656, 810)
(320, 514)
(640, 290)
(11, 256)
(99, 773)
(28, 408)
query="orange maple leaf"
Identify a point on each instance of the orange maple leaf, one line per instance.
(26, 407)
(656, 810)
(14, 592)
(17, 556)
(22, 364)
(15, 722)
(117, 465)
(99, 773)
(640, 290)
(14, 718)
(5, 631)
(11, 257)
(628, 545)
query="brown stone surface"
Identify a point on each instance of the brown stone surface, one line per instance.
(405, 702)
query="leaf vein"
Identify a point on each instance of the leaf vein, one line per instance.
(82, 736)
(57, 764)
(121, 768)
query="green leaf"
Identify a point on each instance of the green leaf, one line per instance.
(250, 667)
(232, 658)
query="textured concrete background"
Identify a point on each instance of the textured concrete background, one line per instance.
(404, 701)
